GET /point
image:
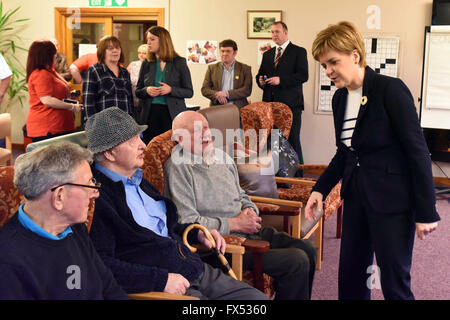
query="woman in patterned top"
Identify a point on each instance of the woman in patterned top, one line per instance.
(107, 83)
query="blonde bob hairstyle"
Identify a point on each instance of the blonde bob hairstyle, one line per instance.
(166, 49)
(342, 37)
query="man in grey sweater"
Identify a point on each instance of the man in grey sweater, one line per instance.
(203, 182)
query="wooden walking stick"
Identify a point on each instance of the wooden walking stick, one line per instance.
(209, 236)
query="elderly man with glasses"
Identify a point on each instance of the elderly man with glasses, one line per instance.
(45, 250)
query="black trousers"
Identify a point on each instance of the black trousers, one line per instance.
(158, 121)
(290, 261)
(365, 232)
(294, 135)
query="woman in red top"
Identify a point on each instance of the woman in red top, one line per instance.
(49, 115)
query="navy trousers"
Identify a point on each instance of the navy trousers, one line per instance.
(365, 232)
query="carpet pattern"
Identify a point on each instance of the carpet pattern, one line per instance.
(430, 272)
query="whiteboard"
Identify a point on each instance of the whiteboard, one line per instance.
(435, 103)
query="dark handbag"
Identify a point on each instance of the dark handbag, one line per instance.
(284, 156)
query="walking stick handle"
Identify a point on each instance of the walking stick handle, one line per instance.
(210, 238)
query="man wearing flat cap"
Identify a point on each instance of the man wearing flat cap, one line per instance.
(135, 228)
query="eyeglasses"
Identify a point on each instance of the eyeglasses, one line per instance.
(96, 185)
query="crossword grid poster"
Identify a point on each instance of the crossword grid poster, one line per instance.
(381, 56)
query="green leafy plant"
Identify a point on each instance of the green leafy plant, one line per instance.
(9, 37)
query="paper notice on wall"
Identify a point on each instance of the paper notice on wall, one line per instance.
(438, 76)
(201, 51)
(84, 48)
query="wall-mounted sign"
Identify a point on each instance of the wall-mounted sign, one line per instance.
(108, 3)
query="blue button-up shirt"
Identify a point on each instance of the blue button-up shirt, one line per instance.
(228, 79)
(147, 212)
(32, 226)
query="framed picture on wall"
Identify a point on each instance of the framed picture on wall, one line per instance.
(260, 21)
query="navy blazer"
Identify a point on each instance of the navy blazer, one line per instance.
(177, 76)
(292, 69)
(394, 161)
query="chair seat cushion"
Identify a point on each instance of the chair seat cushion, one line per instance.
(296, 192)
(247, 277)
(301, 193)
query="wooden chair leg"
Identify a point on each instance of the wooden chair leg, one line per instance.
(319, 243)
(286, 224)
(323, 232)
(339, 222)
(258, 272)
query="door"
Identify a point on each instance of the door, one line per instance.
(78, 29)
(85, 38)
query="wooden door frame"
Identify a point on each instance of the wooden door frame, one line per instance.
(62, 15)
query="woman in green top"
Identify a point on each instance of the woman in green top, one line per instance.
(164, 82)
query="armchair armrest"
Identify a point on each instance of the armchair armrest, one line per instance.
(256, 246)
(301, 181)
(279, 202)
(295, 214)
(313, 168)
(156, 295)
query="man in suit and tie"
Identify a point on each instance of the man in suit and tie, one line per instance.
(229, 81)
(283, 70)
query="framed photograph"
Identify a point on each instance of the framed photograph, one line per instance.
(259, 23)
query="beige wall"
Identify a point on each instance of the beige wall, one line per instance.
(212, 20)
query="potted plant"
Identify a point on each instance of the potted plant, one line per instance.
(9, 37)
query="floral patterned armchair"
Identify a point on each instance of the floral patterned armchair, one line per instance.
(263, 116)
(10, 197)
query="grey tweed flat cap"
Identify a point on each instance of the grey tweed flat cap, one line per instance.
(109, 128)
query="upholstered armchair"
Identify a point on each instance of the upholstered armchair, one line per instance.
(263, 116)
(10, 197)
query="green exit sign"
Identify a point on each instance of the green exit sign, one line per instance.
(108, 3)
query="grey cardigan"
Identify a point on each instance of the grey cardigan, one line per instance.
(203, 194)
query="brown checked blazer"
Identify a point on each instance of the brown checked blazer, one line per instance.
(242, 83)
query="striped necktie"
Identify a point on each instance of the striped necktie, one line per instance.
(277, 58)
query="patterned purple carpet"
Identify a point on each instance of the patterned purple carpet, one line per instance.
(430, 273)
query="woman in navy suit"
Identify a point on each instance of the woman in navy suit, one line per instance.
(164, 82)
(384, 164)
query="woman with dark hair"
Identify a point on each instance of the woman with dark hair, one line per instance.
(164, 82)
(49, 115)
(108, 84)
